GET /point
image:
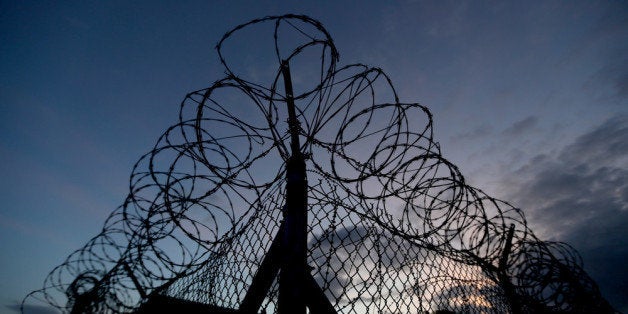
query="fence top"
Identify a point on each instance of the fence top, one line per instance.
(392, 227)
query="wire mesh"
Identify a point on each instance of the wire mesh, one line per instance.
(393, 227)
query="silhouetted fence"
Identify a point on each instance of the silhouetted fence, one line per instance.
(293, 183)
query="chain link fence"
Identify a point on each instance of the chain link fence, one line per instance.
(392, 225)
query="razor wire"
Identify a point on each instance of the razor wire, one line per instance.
(393, 226)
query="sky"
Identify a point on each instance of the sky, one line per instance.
(530, 101)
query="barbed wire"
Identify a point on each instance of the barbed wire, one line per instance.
(393, 227)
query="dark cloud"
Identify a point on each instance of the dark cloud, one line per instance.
(619, 78)
(346, 241)
(479, 131)
(608, 143)
(580, 196)
(611, 79)
(347, 253)
(609, 27)
(521, 127)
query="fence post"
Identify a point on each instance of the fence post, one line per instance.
(509, 289)
(292, 277)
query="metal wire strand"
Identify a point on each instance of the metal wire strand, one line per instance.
(394, 228)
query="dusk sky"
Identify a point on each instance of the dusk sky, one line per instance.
(530, 101)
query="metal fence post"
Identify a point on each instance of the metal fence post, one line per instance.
(292, 276)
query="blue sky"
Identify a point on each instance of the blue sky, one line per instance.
(530, 100)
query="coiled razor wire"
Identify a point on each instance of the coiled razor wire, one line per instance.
(393, 227)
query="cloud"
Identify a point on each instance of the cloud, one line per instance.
(608, 31)
(609, 82)
(607, 143)
(479, 131)
(347, 257)
(615, 75)
(580, 196)
(522, 126)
